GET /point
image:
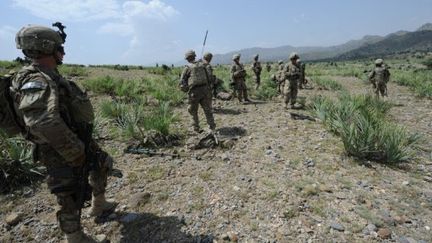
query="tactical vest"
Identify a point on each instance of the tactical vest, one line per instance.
(74, 105)
(198, 74)
(380, 75)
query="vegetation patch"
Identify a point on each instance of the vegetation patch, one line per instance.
(364, 128)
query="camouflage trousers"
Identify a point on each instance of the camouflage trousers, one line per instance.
(63, 182)
(381, 88)
(241, 89)
(290, 92)
(201, 96)
(257, 78)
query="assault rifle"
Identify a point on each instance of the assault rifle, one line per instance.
(84, 189)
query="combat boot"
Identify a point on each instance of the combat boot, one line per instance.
(100, 205)
(79, 237)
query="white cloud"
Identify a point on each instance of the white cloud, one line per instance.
(71, 10)
(149, 26)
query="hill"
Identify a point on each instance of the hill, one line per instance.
(368, 46)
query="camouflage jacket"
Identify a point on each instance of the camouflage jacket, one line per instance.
(379, 75)
(50, 107)
(237, 72)
(211, 76)
(256, 67)
(292, 72)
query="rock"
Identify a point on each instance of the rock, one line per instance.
(427, 228)
(225, 237)
(404, 239)
(225, 157)
(428, 178)
(400, 219)
(13, 219)
(128, 218)
(384, 233)
(337, 226)
(269, 152)
(309, 162)
(101, 238)
(405, 183)
(369, 229)
(233, 237)
(139, 199)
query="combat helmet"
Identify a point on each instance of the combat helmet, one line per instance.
(208, 56)
(190, 54)
(236, 56)
(293, 56)
(280, 62)
(36, 40)
(379, 61)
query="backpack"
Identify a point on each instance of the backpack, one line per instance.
(198, 76)
(8, 118)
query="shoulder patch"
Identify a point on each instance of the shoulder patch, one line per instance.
(34, 84)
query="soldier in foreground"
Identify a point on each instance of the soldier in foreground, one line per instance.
(57, 116)
(379, 78)
(195, 80)
(238, 76)
(256, 68)
(292, 73)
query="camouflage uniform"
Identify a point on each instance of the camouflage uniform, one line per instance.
(214, 82)
(292, 73)
(198, 94)
(302, 80)
(238, 75)
(256, 68)
(58, 116)
(268, 67)
(379, 78)
(280, 76)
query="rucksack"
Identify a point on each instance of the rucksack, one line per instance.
(8, 118)
(198, 74)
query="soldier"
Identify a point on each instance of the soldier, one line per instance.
(57, 117)
(196, 82)
(256, 68)
(280, 77)
(268, 67)
(292, 73)
(213, 80)
(379, 78)
(302, 80)
(238, 76)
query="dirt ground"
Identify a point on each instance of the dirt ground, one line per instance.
(280, 180)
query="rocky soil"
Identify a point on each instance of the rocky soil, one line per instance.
(279, 180)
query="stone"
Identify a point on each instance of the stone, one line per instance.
(404, 239)
(400, 219)
(337, 226)
(13, 219)
(384, 233)
(139, 199)
(101, 238)
(233, 237)
(405, 183)
(428, 178)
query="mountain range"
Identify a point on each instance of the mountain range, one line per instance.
(367, 47)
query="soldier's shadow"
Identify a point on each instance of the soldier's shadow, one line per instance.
(227, 111)
(149, 228)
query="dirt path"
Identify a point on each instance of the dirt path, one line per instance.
(284, 180)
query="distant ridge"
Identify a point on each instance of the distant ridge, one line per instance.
(368, 46)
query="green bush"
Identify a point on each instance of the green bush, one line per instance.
(327, 83)
(267, 90)
(16, 166)
(420, 81)
(72, 70)
(160, 119)
(364, 128)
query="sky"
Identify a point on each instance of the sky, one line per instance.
(146, 32)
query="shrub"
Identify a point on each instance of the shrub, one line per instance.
(16, 166)
(327, 83)
(73, 70)
(160, 119)
(362, 124)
